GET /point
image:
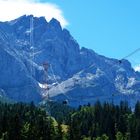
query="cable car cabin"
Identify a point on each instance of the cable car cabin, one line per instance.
(54, 84)
(65, 102)
(120, 61)
(46, 65)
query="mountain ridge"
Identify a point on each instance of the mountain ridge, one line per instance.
(73, 73)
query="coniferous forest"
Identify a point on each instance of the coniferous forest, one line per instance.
(60, 122)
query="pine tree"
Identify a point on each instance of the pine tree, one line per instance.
(59, 133)
(5, 136)
(119, 136)
(25, 131)
(137, 109)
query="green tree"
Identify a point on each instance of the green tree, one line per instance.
(104, 137)
(127, 136)
(119, 136)
(137, 109)
(25, 131)
(5, 136)
(60, 133)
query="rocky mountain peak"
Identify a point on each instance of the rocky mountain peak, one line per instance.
(55, 23)
(57, 60)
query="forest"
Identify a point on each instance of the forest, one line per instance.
(56, 121)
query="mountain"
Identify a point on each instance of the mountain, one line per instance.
(40, 59)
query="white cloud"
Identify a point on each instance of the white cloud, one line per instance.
(137, 68)
(11, 9)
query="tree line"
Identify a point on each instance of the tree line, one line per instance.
(104, 121)
(27, 122)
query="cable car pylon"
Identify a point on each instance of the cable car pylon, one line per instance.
(32, 45)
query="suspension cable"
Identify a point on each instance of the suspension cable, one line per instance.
(59, 86)
(132, 53)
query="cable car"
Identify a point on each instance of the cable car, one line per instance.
(120, 61)
(54, 84)
(46, 66)
(65, 102)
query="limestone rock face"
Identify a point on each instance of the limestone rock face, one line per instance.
(77, 74)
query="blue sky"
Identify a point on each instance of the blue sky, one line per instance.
(109, 27)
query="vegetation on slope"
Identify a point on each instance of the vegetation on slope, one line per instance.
(99, 122)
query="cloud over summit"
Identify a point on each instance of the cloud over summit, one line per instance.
(137, 68)
(11, 9)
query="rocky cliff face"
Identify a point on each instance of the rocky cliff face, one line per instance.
(77, 74)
